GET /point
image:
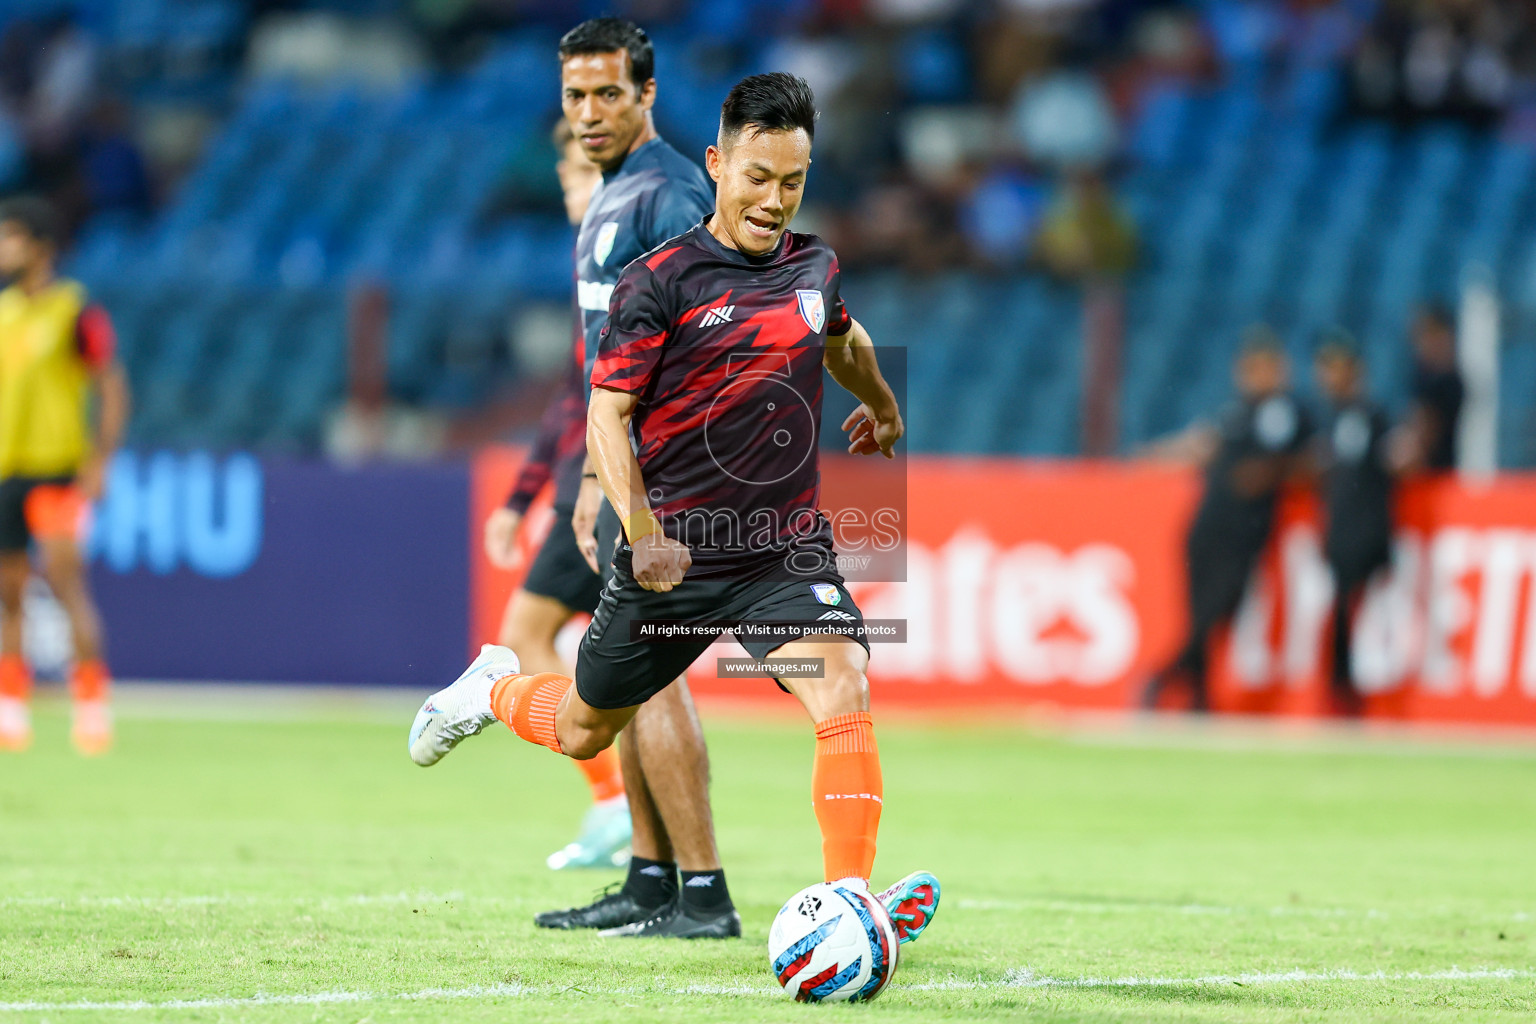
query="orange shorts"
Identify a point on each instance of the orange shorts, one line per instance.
(46, 508)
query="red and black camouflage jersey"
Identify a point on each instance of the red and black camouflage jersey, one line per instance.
(724, 352)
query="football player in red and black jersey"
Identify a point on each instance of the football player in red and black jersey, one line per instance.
(702, 427)
(648, 192)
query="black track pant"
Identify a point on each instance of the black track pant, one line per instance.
(1218, 576)
(1352, 571)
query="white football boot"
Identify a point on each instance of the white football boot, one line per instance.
(461, 709)
(606, 831)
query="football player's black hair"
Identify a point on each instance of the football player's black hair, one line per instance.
(33, 213)
(775, 102)
(605, 35)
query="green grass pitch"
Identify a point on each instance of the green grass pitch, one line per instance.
(304, 870)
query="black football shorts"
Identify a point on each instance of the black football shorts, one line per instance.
(615, 670)
(558, 570)
(33, 507)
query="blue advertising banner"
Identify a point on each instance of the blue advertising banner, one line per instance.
(237, 568)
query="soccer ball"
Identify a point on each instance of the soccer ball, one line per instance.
(832, 943)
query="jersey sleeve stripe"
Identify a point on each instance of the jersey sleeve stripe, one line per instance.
(95, 340)
(624, 368)
(661, 257)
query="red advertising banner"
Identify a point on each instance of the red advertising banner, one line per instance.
(1063, 583)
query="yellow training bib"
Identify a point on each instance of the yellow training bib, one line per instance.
(44, 382)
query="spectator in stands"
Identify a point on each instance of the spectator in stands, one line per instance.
(112, 166)
(1356, 477)
(1086, 235)
(1440, 60)
(1247, 454)
(1001, 216)
(49, 88)
(1065, 119)
(1438, 393)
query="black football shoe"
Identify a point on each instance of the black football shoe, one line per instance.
(612, 909)
(675, 921)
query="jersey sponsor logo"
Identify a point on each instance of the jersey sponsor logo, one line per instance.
(717, 315)
(834, 614)
(827, 593)
(812, 309)
(700, 882)
(593, 295)
(602, 248)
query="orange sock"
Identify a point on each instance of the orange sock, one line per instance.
(604, 775)
(90, 680)
(526, 705)
(15, 677)
(846, 784)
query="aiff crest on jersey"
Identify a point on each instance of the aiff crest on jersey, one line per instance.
(812, 309)
(603, 246)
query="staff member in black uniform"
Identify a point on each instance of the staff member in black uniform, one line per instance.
(1438, 390)
(1357, 486)
(1247, 455)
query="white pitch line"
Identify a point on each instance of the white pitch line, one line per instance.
(230, 899)
(1019, 978)
(215, 900)
(297, 999)
(1192, 909)
(1219, 910)
(983, 905)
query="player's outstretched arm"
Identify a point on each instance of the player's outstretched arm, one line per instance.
(659, 562)
(876, 425)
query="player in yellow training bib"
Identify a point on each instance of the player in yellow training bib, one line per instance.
(63, 404)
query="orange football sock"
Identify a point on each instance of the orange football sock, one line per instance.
(526, 705)
(15, 677)
(846, 784)
(90, 680)
(604, 775)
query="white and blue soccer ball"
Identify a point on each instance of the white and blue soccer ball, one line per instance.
(832, 943)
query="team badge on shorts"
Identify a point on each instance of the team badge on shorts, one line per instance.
(812, 310)
(603, 247)
(827, 593)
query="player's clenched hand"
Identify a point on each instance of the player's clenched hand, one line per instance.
(584, 520)
(501, 538)
(868, 433)
(659, 562)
